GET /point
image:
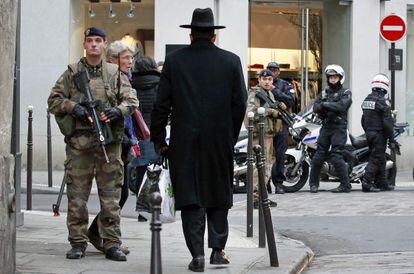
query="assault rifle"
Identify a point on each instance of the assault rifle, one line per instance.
(284, 114)
(105, 137)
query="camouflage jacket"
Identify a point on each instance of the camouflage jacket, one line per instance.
(271, 124)
(107, 86)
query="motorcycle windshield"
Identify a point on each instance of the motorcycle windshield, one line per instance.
(307, 110)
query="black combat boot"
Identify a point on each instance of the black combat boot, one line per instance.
(218, 257)
(271, 204)
(313, 189)
(341, 189)
(76, 252)
(115, 254)
(387, 188)
(197, 264)
(367, 186)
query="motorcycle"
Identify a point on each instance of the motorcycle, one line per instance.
(240, 163)
(356, 153)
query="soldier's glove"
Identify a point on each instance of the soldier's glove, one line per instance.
(112, 114)
(282, 106)
(80, 113)
(272, 112)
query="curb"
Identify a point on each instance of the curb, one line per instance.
(304, 262)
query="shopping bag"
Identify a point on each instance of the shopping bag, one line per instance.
(157, 179)
(166, 191)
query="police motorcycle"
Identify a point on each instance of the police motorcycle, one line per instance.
(240, 163)
(306, 131)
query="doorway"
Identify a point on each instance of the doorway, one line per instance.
(303, 37)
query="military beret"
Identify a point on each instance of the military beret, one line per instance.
(265, 73)
(92, 31)
(273, 65)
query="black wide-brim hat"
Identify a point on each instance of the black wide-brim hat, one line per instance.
(202, 19)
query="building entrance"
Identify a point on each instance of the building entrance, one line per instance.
(296, 35)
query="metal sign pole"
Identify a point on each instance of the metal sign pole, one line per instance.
(392, 66)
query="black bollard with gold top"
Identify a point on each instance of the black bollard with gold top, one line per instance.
(156, 266)
(262, 235)
(264, 204)
(249, 181)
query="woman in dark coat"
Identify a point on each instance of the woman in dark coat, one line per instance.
(145, 81)
(203, 89)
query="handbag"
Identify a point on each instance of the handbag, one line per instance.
(143, 132)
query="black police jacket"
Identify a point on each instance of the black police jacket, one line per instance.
(332, 107)
(284, 92)
(377, 114)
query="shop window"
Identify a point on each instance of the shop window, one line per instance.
(410, 71)
(276, 35)
(130, 21)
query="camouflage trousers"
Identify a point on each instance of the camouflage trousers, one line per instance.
(268, 153)
(81, 166)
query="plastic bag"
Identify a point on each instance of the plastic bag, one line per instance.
(157, 179)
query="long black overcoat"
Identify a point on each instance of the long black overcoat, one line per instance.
(203, 88)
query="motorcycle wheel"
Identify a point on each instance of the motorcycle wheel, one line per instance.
(293, 184)
(391, 173)
(240, 181)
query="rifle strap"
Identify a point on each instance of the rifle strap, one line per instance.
(264, 97)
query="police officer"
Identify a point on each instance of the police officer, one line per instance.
(84, 157)
(265, 85)
(378, 124)
(285, 94)
(332, 107)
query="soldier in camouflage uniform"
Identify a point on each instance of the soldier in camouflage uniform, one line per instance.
(85, 159)
(271, 125)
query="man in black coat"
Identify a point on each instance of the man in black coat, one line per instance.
(203, 89)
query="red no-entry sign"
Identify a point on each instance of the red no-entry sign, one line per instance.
(393, 28)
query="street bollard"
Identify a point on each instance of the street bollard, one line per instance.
(265, 205)
(156, 267)
(262, 234)
(29, 159)
(249, 181)
(49, 151)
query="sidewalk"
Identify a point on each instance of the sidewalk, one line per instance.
(42, 245)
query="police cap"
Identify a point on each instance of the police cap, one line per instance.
(273, 65)
(265, 73)
(92, 31)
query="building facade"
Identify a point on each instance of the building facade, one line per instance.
(303, 36)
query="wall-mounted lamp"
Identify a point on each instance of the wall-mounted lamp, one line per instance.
(131, 12)
(111, 13)
(91, 14)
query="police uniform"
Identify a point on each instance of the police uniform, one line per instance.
(84, 157)
(271, 125)
(377, 123)
(283, 92)
(332, 107)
